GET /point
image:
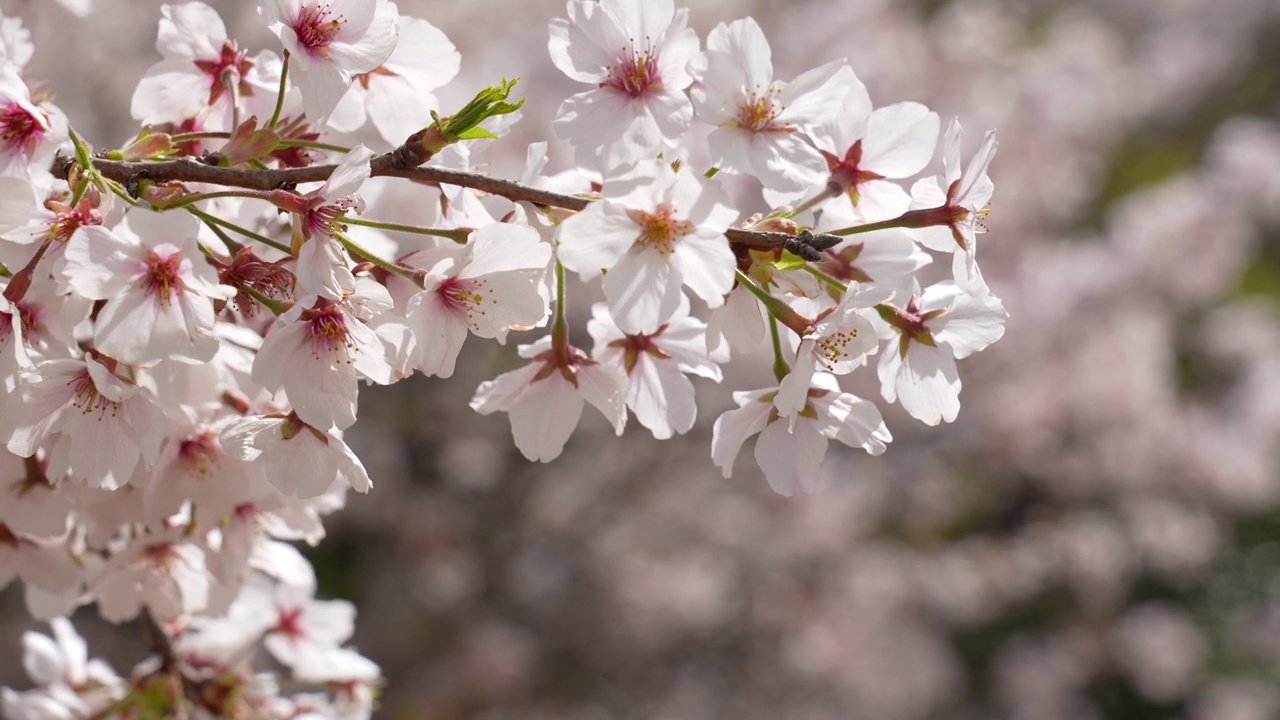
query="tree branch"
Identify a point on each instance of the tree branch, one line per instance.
(806, 245)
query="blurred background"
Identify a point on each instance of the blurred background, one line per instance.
(1096, 536)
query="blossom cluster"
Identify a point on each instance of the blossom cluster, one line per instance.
(180, 356)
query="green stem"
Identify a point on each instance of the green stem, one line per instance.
(232, 245)
(900, 221)
(780, 367)
(275, 306)
(831, 282)
(191, 136)
(798, 324)
(197, 197)
(361, 254)
(560, 326)
(458, 235)
(284, 77)
(313, 144)
(237, 229)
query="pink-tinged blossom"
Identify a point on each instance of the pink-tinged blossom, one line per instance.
(317, 355)
(396, 97)
(43, 565)
(69, 685)
(839, 344)
(656, 365)
(952, 205)
(487, 287)
(886, 258)
(637, 55)
(300, 460)
(323, 268)
(30, 217)
(88, 418)
(866, 150)
(759, 121)
(30, 132)
(655, 231)
(158, 288)
(29, 503)
(328, 42)
(204, 73)
(791, 450)
(165, 572)
(924, 340)
(544, 399)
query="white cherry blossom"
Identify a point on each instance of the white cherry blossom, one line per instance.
(791, 449)
(656, 365)
(952, 205)
(317, 355)
(759, 121)
(203, 72)
(636, 53)
(328, 42)
(487, 287)
(923, 341)
(397, 97)
(544, 398)
(158, 288)
(655, 231)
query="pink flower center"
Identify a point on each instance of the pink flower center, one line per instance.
(200, 452)
(228, 69)
(636, 71)
(633, 346)
(463, 296)
(325, 219)
(162, 276)
(316, 26)
(289, 622)
(847, 172)
(85, 396)
(328, 329)
(68, 219)
(759, 112)
(659, 230)
(20, 130)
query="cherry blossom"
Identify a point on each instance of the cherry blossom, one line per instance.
(487, 287)
(317, 355)
(758, 120)
(923, 340)
(790, 449)
(183, 333)
(423, 60)
(656, 365)
(637, 55)
(544, 398)
(95, 423)
(329, 42)
(204, 73)
(951, 206)
(30, 132)
(838, 344)
(158, 289)
(654, 231)
(867, 149)
(300, 460)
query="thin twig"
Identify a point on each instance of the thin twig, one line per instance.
(192, 170)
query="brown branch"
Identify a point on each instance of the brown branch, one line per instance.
(806, 245)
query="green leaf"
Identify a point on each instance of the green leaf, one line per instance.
(789, 261)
